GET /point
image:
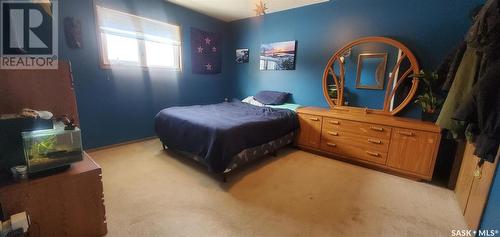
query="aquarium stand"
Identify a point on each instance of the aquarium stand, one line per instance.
(68, 203)
(50, 172)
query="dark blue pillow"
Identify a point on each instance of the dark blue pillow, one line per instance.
(272, 97)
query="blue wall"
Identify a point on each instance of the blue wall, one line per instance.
(119, 105)
(431, 29)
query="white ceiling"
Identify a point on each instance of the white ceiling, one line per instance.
(230, 10)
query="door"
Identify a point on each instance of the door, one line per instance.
(413, 151)
(466, 177)
(473, 186)
(310, 130)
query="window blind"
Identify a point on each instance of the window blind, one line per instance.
(119, 23)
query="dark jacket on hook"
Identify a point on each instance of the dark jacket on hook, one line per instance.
(448, 68)
(484, 33)
(481, 109)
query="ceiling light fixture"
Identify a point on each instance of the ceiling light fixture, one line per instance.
(260, 8)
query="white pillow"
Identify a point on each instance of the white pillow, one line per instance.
(252, 101)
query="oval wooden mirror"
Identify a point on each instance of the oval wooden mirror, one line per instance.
(371, 74)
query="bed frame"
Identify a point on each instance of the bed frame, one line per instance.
(246, 156)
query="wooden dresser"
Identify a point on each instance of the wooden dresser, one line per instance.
(70, 203)
(404, 146)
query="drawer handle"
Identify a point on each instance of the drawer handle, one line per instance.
(405, 133)
(334, 122)
(314, 119)
(376, 154)
(331, 144)
(379, 129)
(374, 141)
(333, 133)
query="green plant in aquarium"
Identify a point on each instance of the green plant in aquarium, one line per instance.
(43, 146)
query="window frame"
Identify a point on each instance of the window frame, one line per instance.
(103, 50)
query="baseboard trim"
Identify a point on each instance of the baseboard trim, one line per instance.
(120, 144)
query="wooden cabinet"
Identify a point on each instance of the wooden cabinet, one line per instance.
(70, 203)
(473, 186)
(310, 130)
(404, 146)
(413, 151)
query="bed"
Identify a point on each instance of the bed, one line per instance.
(227, 135)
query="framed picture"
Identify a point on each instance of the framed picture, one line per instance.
(242, 56)
(278, 56)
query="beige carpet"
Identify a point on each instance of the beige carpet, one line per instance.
(150, 192)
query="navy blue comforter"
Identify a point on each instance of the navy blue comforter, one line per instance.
(218, 132)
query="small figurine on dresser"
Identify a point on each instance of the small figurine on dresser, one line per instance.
(69, 123)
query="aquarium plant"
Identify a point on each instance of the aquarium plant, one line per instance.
(43, 146)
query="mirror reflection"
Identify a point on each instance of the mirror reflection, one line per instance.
(363, 72)
(371, 71)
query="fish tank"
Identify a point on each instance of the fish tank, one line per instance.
(51, 148)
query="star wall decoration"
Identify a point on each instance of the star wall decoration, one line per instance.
(260, 8)
(209, 66)
(206, 52)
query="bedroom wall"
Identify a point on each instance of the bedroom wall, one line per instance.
(431, 29)
(119, 105)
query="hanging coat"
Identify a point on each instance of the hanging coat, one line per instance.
(481, 110)
(461, 87)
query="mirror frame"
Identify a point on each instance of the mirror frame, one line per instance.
(380, 81)
(389, 91)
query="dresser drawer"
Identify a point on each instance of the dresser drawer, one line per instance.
(366, 129)
(352, 139)
(310, 130)
(354, 152)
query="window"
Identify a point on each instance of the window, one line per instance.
(130, 40)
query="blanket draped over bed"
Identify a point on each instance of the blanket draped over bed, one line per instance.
(218, 132)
